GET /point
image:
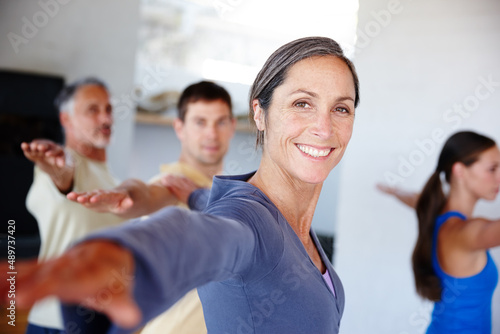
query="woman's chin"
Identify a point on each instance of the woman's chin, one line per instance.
(314, 179)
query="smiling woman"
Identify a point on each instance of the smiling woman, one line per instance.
(310, 117)
(252, 254)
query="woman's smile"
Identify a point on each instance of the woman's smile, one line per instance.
(315, 152)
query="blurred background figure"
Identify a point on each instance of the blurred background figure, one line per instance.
(86, 117)
(451, 261)
(204, 127)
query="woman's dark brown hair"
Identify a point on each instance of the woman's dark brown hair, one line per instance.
(464, 147)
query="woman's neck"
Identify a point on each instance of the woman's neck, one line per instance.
(461, 201)
(295, 200)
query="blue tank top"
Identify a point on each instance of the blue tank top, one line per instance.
(465, 305)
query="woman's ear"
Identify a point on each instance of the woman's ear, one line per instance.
(258, 115)
(458, 169)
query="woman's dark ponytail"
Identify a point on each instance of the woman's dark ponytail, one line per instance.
(430, 203)
(462, 147)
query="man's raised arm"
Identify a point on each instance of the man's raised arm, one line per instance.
(53, 160)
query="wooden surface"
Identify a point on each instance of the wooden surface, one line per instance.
(242, 124)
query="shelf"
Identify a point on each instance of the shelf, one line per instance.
(242, 124)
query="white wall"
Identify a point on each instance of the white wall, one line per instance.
(417, 61)
(76, 38)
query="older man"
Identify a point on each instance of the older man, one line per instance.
(204, 127)
(86, 116)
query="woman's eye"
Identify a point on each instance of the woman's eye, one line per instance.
(302, 104)
(342, 110)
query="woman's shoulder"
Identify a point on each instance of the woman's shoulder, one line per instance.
(451, 214)
(235, 194)
(475, 233)
(246, 208)
(458, 221)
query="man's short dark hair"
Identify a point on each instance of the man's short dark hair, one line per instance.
(202, 91)
(66, 95)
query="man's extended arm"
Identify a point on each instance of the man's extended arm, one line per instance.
(186, 191)
(133, 198)
(53, 160)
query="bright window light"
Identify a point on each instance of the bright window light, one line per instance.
(229, 72)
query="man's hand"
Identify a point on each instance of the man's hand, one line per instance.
(50, 158)
(45, 153)
(80, 276)
(117, 201)
(180, 186)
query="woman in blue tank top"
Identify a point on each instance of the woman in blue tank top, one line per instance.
(451, 262)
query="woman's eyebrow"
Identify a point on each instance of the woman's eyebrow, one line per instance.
(313, 94)
(343, 98)
(299, 91)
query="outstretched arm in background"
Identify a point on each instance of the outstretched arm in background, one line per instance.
(406, 197)
(183, 188)
(133, 198)
(53, 160)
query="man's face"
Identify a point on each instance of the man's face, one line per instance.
(206, 131)
(91, 120)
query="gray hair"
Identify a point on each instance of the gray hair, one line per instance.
(274, 71)
(65, 99)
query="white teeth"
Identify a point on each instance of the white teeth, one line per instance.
(313, 152)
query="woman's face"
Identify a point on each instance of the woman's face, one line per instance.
(483, 177)
(310, 119)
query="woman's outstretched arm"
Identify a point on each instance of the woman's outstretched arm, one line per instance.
(136, 271)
